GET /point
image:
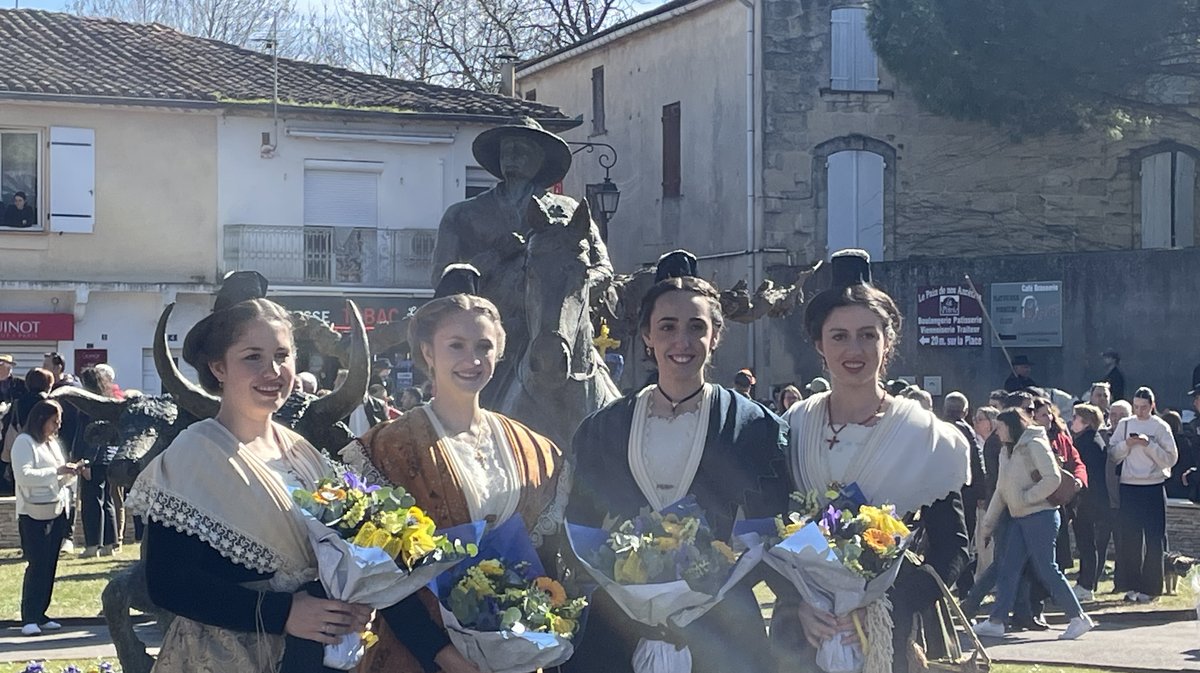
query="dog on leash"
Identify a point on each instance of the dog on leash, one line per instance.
(1177, 565)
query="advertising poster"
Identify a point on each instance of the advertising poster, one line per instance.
(1028, 315)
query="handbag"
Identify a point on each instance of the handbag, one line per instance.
(1066, 491)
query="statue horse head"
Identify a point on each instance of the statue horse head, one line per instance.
(560, 379)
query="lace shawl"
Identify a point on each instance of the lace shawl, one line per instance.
(209, 485)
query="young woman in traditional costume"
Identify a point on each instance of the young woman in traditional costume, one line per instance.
(461, 462)
(224, 549)
(680, 436)
(895, 451)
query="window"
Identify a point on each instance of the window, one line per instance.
(598, 101)
(531, 95)
(671, 152)
(478, 181)
(855, 191)
(1168, 200)
(19, 179)
(852, 59)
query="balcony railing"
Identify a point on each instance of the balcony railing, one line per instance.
(293, 255)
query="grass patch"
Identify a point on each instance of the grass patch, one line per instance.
(77, 586)
(1045, 668)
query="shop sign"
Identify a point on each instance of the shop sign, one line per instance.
(949, 316)
(89, 357)
(333, 310)
(37, 327)
(1028, 314)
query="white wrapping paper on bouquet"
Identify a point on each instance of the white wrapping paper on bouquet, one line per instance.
(507, 651)
(510, 650)
(369, 576)
(661, 604)
(811, 565)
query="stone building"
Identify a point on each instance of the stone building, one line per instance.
(794, 141)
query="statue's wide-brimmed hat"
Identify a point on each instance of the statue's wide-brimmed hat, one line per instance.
(557, 156)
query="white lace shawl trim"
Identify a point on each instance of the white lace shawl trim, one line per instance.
(550, 520)
(183, 516)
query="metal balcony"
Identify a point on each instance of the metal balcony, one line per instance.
(348, 256)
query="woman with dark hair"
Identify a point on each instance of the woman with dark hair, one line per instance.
(42, 476)
(225, 549)
(1144, 446)
(460, 461)
(97, 448)
(897, 452)
(1093, 516)
(681, 436)
(1189, 453)
(1034, 594)
(1029, 474)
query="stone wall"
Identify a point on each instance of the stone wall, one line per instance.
(10, 538)
(1140, 302)
(1183, 527)
(960, 188)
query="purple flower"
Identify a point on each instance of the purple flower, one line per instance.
(34, 667)
(72, 668)
(831, 519)
(105, 667)
(355, 482)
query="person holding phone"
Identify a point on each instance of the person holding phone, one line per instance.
(1144, 447)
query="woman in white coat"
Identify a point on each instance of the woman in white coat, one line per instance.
(42, 476)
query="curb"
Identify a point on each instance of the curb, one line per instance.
(1181, 615)
(80, 621)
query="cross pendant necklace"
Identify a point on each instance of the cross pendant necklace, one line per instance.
(832, 441)
(675, 404)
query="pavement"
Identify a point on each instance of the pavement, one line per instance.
(1159, 642)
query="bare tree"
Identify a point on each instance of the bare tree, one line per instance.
(240, 22)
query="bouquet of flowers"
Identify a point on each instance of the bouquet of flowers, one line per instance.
(842, 555)
(503, 613)
(374, 546)
(663, 569)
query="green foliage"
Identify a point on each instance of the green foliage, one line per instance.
(1036, 66)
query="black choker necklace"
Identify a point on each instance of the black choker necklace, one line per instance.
(673, 403)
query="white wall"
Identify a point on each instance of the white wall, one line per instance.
(417, 184)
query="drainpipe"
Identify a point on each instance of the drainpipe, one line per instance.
(751, 228)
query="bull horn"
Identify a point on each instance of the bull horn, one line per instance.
(197, 401)
(97, 406)
(340, 403)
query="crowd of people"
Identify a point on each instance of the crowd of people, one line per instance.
(991, 493)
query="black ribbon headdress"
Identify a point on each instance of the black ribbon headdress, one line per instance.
(458, 279)
(850, 267)
(675, 264)
(240, 286)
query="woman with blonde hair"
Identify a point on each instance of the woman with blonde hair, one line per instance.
(460, 461)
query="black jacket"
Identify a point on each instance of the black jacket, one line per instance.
(977, 492)
(1116, 383)
(1094, 455)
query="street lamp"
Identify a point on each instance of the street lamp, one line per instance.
(604, 197)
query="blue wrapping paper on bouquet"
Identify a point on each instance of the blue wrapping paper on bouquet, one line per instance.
(368, 575)
(503, 650)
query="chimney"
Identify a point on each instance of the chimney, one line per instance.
(508, 74)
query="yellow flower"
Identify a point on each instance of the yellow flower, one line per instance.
(564, 627)
(417, 517)
(363, 538)
(492, 567)
(725, 551)
(878, 540)
(558, 595)
(882, 518)
(630, 570)
(666, 543)
(328, 494)
(415, 544)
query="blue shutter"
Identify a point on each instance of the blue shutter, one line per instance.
(841, 186)
(1156, 201)
(841, 57)
(869, 203)
(1185, 196)
(866, 71)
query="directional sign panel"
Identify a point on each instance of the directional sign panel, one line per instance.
(949, 316)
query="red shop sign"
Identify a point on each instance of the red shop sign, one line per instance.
(37, 327)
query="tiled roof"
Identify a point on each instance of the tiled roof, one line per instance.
(63, 54)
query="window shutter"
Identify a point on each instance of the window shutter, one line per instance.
(341, 198)
(869, 213)
(672, 151)
(841, 60)
(72, 180)
(1185, 197)
(841, 185)
(1156, 201)
(598, 100)
(866, 70)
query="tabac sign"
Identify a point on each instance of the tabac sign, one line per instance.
(949, 316)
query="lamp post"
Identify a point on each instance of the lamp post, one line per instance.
(603, 197)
